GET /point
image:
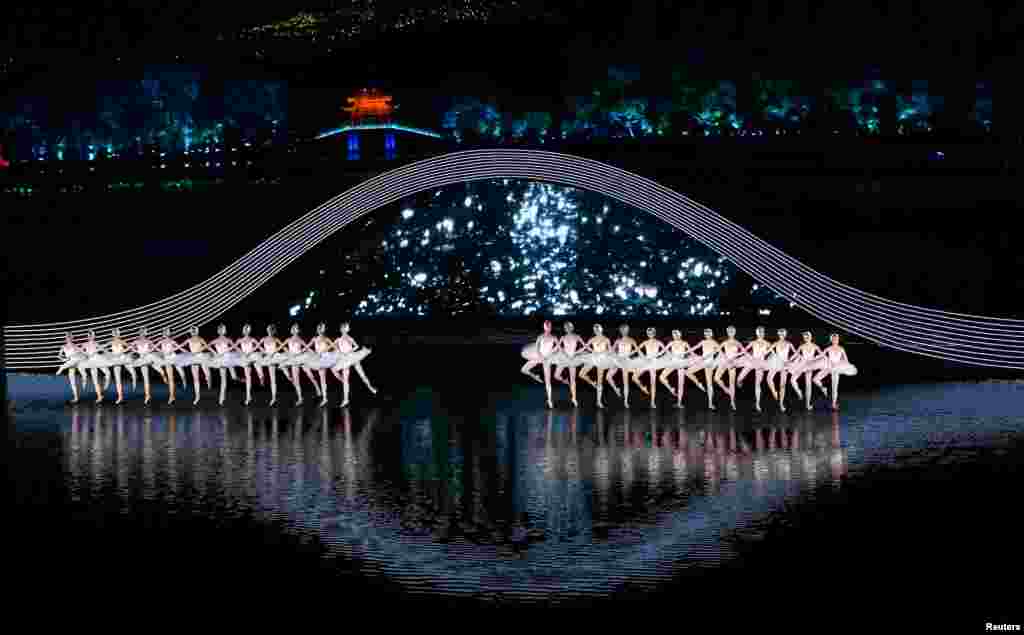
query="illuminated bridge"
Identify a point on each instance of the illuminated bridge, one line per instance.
(975, 340)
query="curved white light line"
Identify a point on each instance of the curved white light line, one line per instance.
(33, 346)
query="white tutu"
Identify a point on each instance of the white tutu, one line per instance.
(231, 359)
(774, 363)
(182, 360)
(75, 360)
(752, 363)
(564, 360)
(156, 360)
(347, 360)
(801, 365)
(843, 368)
(603, 360)
(98, 360)
(321, 361)
(677, 361)
(289, 359)
(725, 361)
(531, 353)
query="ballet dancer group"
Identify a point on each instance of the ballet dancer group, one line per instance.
(716, 359)
(166, 356)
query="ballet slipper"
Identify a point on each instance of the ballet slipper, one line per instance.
(299, 402)
(550, 405)
(120, 400)
(575, 404)
(272, 401)
(372, 389)
(146, 402)
(344, 404)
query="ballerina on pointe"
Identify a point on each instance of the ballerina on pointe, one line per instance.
(120, 358)
(96, 359)
(350, 355)
(72, 356)
(323, 357)
(778, 362)
(226, 358)
(811, 360)
(248, 346)
(295, 360)
(678, 359)
(198, 357)
(172, 361)
(624, 348)
(653, 360)
(601, 358)
(146, 358)
(729, 358)
(271, 359)
(837, 364)
(755, 360)
(571, 356)
(708, 348)
(543, 351)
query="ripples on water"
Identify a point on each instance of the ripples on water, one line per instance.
(520, 501)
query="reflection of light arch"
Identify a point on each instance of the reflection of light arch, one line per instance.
(981, 341)
(379, 126)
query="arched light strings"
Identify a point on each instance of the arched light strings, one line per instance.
(968, 339)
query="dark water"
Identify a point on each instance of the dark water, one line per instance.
(451, 493)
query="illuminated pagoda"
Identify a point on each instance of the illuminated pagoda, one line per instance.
(370, 113)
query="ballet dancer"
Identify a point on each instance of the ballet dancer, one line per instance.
(571, 357)
(600, 357)
(72, 356)
(544, 352)
(248, 346)
(729, 357)
(323, 357)
(145, 351)
(96, 360)
(755, 359)
(226, 358)
(779, 359)
(198, 358)
(531, 353)
(652, 361)
(169, 350)
(708, 348)
(811, 359)
(121, 358)
(293, 363)
(271, 359)
(350, 355)
(838, 364)
(678, 360)
(624, 348)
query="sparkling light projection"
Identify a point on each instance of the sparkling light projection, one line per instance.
(975, 340)
(519, 248)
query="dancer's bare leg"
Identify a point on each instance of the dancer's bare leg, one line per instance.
(808, 382)
(296, 378)
(835, 384)
(247, 371)
(654, 384)
(718, 380)
(323, 387)
(794, 381)
(638, 381)
(682, 388)
(223, 385)
(195, 377)
(709, 376)
(366, 380)
(782, 391)
(118, 384)
(692, 375)
(313, 380)
(600, 387)
(145, 383)
(663, 378)
(584, 375)
(96, 385)
(259, 372)
(758, 376)
(625, 388)
(170, 384)
(817, 381)
(547, 383)
(526, 371)
(106, 378)
(272, 371)
(344, 387)
(771, 383)
(572, 387)
(74, 384)
(732, 387)
(131, 373)
(609, 376)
